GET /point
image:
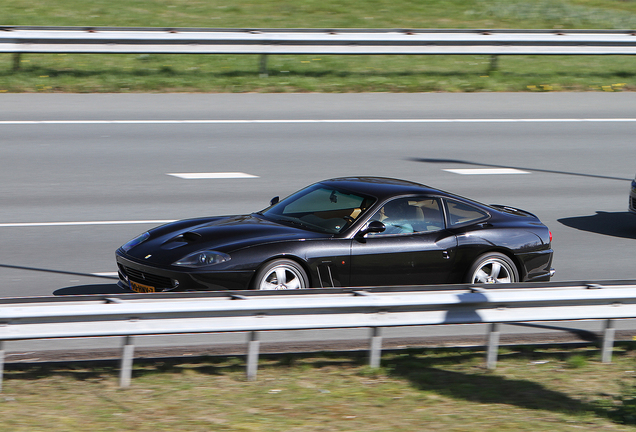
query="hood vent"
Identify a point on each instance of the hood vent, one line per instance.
(190, 236)
(182, 240)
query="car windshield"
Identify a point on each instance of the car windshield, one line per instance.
(320, 208)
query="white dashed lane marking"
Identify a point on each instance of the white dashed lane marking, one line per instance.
(213, 175)
(106, 274)
(486, 171)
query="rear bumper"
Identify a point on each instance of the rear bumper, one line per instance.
(537, 266)
(544, 277)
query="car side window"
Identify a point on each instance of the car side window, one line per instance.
(410, 215)
(461, 213)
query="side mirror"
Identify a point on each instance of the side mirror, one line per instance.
(372, 227)
(274, 201)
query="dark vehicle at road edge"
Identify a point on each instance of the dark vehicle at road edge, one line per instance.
(343, 232)
(632, 197)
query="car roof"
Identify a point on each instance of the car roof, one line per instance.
(381, 187)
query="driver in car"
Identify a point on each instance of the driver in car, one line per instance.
(395, 217)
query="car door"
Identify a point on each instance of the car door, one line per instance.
(415, 249)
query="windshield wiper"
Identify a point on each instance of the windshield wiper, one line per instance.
(295, 222)
(306, 226)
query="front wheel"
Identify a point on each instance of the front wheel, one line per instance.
(281, 274)
(493, 268)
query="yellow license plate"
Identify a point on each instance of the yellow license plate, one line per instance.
(141, 288)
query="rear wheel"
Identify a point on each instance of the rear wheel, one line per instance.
(493, 268)
(281, 274)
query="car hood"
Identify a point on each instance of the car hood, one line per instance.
(171, 242)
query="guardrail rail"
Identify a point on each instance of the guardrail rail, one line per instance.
(127, 40)
(134, 315)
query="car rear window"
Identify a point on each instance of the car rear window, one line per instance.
(460, 213)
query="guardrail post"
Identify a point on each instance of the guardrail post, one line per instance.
(16, 61)
(608, 341)
(253, 346)
(494, 63)
(1, 363)
(263, 69)
(127, 352)
(375, 348)
(493, 345)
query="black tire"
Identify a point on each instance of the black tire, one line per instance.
(493, 267)
(281, 274)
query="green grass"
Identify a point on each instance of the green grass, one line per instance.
(532, 389)
(234, 73)
(576, 361)
(324, 13)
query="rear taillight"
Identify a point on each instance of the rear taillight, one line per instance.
(550, 236)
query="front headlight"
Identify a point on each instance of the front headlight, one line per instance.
(203, 259)
(136, 241)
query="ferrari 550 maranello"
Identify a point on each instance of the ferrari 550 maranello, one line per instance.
(343, 232)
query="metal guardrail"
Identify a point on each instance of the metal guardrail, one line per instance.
(127, 40)
(255, 312)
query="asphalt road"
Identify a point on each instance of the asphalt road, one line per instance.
(81, 168)
(99, 165)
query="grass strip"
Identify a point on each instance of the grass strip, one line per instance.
(532, 389)
(84, 73)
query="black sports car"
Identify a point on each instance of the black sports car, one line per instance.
(356, 231)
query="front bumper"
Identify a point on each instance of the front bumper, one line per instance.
(140, 277)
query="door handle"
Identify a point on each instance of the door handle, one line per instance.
(445, 255)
